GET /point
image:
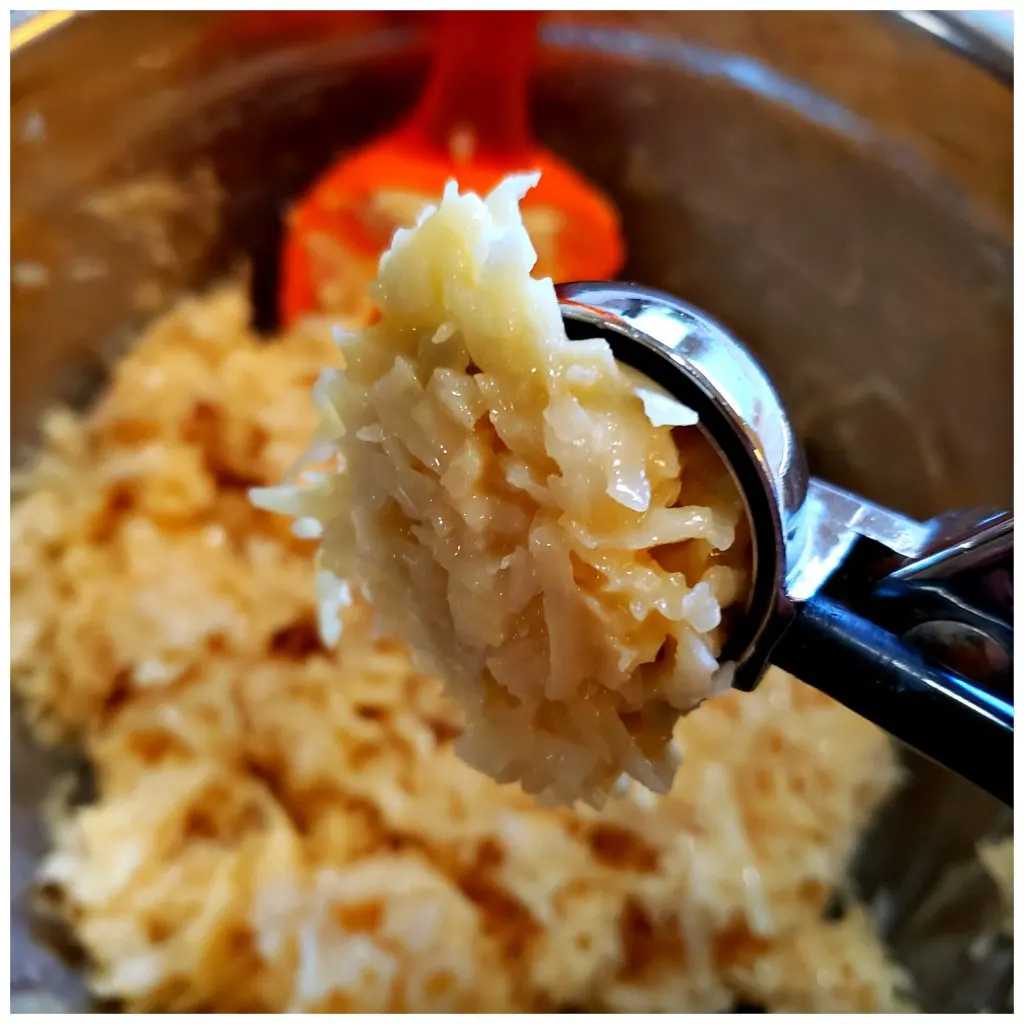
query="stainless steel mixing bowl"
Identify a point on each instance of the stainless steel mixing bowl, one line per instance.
(835, 187)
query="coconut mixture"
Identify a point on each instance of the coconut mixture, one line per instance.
(282, 824)
(555, 540)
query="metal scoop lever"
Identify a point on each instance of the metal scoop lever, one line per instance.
(909, 624)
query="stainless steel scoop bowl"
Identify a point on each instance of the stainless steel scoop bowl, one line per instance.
(836, 595)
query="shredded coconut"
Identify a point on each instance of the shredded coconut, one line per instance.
(279, 825)
(551, 533)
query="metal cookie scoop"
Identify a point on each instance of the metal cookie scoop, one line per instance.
(909, 624)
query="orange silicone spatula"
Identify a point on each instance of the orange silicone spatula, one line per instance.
(472, 125)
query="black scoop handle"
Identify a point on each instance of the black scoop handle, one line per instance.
(943, 715)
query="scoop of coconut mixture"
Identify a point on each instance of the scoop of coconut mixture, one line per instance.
(553, 537)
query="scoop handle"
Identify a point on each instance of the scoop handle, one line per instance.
(479, 82)
(960, 724)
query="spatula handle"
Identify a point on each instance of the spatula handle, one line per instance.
(478, 82)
